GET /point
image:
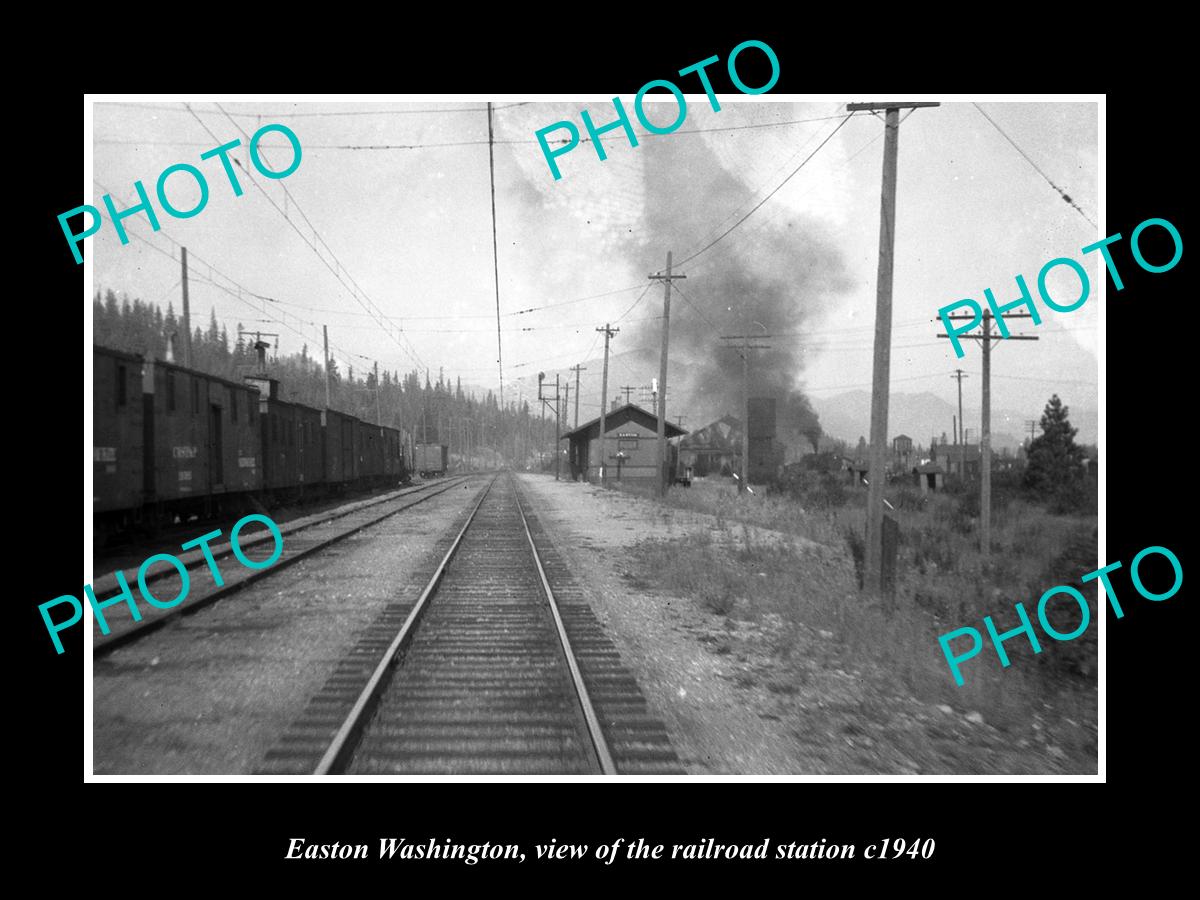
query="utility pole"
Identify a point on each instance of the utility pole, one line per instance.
(187, 316)
(378, 414)
(608, 333)
(985, 438)
(325, 332)
(660, 414)
(577, 369)
(628, 389)
(958, 437)
(557, 398)
(745, 354)
(1031, 424)
(873, 570)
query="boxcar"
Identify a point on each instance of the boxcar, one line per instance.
(341, 460)
(205, 441)
(293, 456)
(393, 456)
(430, 459)
(370, 453)
(118, 432)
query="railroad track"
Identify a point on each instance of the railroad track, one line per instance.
(487, 671)
(300, 540)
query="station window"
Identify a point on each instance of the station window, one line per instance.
(170, 392)
(120, 385)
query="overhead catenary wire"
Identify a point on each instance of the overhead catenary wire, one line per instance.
(369, 304)
(496, 253)
(365, 302)
(470, 143)
(241, 293)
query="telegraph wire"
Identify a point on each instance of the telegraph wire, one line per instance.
(1061, 192)
(762, 223)
(758, 205)
(259, 115)
(770, 178)
(471, 143)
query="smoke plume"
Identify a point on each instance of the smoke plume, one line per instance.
(771, 276)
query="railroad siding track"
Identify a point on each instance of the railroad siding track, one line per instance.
(298, 543)
(484, 686)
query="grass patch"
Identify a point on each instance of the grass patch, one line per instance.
(943, 583)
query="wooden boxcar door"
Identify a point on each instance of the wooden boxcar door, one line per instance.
(348, 470)
(216, 445)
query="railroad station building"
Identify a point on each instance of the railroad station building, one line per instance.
(629, 446)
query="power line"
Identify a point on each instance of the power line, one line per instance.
(762, 223)
(770, 178)
(471, 143)
(635, 303)
(519, 312)
(496, 257)
(1060, 191)
(758, 205)
(241, 288)
(259, 115)
(365, 302)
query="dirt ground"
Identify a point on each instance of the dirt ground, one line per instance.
(210, 693)
(753, 694)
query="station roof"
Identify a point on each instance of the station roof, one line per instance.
(620, 416)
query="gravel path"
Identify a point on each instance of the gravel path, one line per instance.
(713, 728)
(211, 692)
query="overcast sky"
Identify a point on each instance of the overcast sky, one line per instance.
(411, 225)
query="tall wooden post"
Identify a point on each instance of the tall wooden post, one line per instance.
(608, 333)
(873, 577)
(576, 369)
(744, 480)
(660, 449)
(985, 443)
(187, 313)
(325, 332)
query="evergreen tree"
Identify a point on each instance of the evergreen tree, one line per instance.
(1055, 460)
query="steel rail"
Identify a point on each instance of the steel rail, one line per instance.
(225, 551)
(339, 748)
(595, 733)
(147, 626)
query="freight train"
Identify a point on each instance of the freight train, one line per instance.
(170, 441)
(430, 460)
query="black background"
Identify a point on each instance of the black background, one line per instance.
(218, 834)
